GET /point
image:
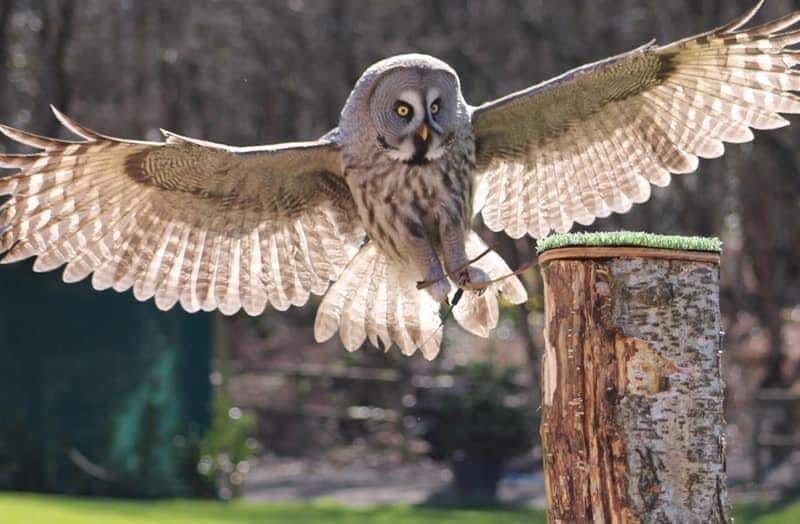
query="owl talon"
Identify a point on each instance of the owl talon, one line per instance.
(473, 279)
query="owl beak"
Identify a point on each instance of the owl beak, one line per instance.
(424, 132)
(422, 141)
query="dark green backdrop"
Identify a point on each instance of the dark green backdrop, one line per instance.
(98, 393)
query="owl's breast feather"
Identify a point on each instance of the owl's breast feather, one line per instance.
(400, 203)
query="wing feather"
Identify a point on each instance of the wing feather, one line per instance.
(593, 140)
(185, 221)
(190, 277)
(167, 293)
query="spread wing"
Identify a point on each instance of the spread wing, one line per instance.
(592, 141)
(206, 225)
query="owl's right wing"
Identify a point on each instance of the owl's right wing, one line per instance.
(206, 225)
(592, 141)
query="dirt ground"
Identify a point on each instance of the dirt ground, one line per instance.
(364, 481)
(362, 484)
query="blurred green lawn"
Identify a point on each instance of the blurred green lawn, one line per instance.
(36, 509)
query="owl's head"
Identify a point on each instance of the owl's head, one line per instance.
(413, 107)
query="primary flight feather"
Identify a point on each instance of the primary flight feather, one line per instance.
(386, 200)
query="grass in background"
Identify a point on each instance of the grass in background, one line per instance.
(786, 511)
(28, 509)
(629, 238)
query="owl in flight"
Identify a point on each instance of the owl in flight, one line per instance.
(386, 200)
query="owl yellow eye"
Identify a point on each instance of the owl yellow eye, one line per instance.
(435, 108)
(403, 110)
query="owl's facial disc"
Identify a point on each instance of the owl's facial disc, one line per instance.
(420, 136)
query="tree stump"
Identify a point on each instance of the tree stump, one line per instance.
(632, 398)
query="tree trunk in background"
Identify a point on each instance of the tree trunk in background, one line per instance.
(6, 9)
(54, 87)
(632, 392)
(763, 233)
(170, 67)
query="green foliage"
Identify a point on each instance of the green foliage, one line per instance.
(629, 238)
(481, 418)
(228, 448)
(144, 457)
(101, 396)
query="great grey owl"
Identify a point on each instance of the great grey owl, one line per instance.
(387, 199)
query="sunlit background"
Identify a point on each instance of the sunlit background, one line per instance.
(100, 395)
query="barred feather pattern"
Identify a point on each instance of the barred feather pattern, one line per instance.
(595, 140)
(181, 222)
(377, 298)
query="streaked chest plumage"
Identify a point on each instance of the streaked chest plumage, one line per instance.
(398, 202)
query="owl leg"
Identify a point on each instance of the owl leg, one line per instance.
(452, 236)
(423, 257)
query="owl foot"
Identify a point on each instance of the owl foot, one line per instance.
(473, 279)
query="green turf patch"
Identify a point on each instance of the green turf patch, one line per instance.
(629, 239)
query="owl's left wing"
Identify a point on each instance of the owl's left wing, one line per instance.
(184, 221)
(592, 141)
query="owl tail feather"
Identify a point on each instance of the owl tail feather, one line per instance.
(377, 298)
(478, 313)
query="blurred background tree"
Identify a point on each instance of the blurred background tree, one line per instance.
(245, 72)
(477, 426)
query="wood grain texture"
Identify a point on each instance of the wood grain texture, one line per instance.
(632, 393)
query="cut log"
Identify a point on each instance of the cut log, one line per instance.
(633, 422)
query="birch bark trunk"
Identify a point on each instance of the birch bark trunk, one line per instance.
(632, 391)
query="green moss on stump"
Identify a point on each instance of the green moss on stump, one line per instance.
(629, 239)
